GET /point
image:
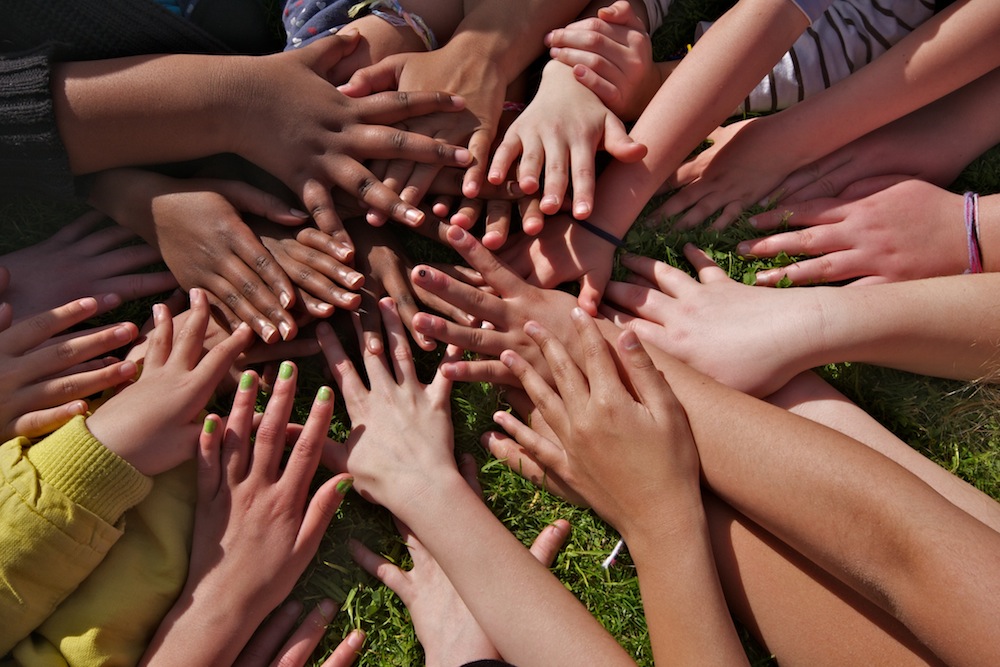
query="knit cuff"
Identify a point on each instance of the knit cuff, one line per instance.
(88, 473)
(32, 156)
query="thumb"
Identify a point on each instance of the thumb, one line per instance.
(618, 143)
(380, 77)
(323, 55)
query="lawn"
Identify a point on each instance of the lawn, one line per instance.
(952, 423)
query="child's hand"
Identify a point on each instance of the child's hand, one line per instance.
(447, 631)
(401, 432)
(89, 262)
(255, 527)
(751, 339)
(265, 647)
(323, 279)
(334, 134)
(562, 252)
(882, 229)
(563, 128)
(43, 379)
(612, 55)
(623, 443)
(151, 423)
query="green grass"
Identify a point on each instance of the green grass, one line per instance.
(952, 423)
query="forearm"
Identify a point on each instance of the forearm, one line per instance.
(701, 92)
(148, 109)
(689, 622)
(490, 31)
(527, 613)
(945, 327)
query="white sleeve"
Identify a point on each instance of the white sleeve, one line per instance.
(813, 9)
(656, 10)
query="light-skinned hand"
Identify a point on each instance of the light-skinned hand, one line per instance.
(152, 422)
(266, 647)
(90, 261)
(612, 55)
(45, 377)
(882, 229)
(256, 528)
(561, 131)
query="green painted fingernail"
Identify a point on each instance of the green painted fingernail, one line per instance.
(246, 381)
(210, 425)
(285, 371)
(323, 394)
(344, 485)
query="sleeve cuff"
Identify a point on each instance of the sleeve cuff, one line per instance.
(89, 474)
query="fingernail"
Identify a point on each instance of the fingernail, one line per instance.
(285, 298)
(285, 370)
(122, 334)
(344, 485)
(356, 639)
(577, 313)
(581, 209)
(111, 300)
(463, 156)
(508, 360)
(743, 249)
(630, 341)
(415, 216)
(297, 213)
(285, 329)
(210, 425)
(196, 296)
(550, 200)
(268, 333)
(128, 369)
(764, 278)
(532, 328)
(323, 394)
(246, 381)
(753, 222)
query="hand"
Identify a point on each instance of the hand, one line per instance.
(908, 230)
(401, 433)
(257, 353)
(89, 262)
(43, 379)
(313, 261)
(334, 134)
(382, 258)
(506, 310)
(255, 528)
(151, 423)
(626, 448)
(265, 647)
(751, 339)
(740, 169)
(562, 128)
(444, 625)
(478, 81)
(612, 55)
(564, 251)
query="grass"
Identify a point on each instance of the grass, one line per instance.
(952, 423)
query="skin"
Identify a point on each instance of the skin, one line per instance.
(155, 443)
(415, 477)
(913, 554)
(446, 629)
(266, 648)
(156, 109)
(256, 512)
(46, 379)
(198, 226)
(90, 260)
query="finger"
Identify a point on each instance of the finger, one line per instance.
(529, 168)
(343, 371)
(391, 107)
(729, 213)
(503, 160)
(304, 459)
(269, 443)
(399, 343)
(650, 387)
(557, 165)
(398, 288)
(570, 381)
(668, 279)
(267, 640)
(476, 339)
(491, 372)
(41, 422)
(347, 651)
(592, 291)
(708, 270)
(250, 199)
(319, 513)
(35, 330)
(161, 339)
(264, 285)
(619, 144)
(239, 427)
(805, 214)
(80, 227)
(210, 471)
(380, 568)
(190, 339)
(532, 222)
(468, 213)
(547, 544)
(74, 349)
(140, 285)
(520, 460)
(318, 201)
(469, 469)
(824, 178)
(599, 366)
(300, 646)
(479, 149)
(420, 182)
(833, 267)
(498, 219)
(869, 186)
(549, 404)
(811, 241)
